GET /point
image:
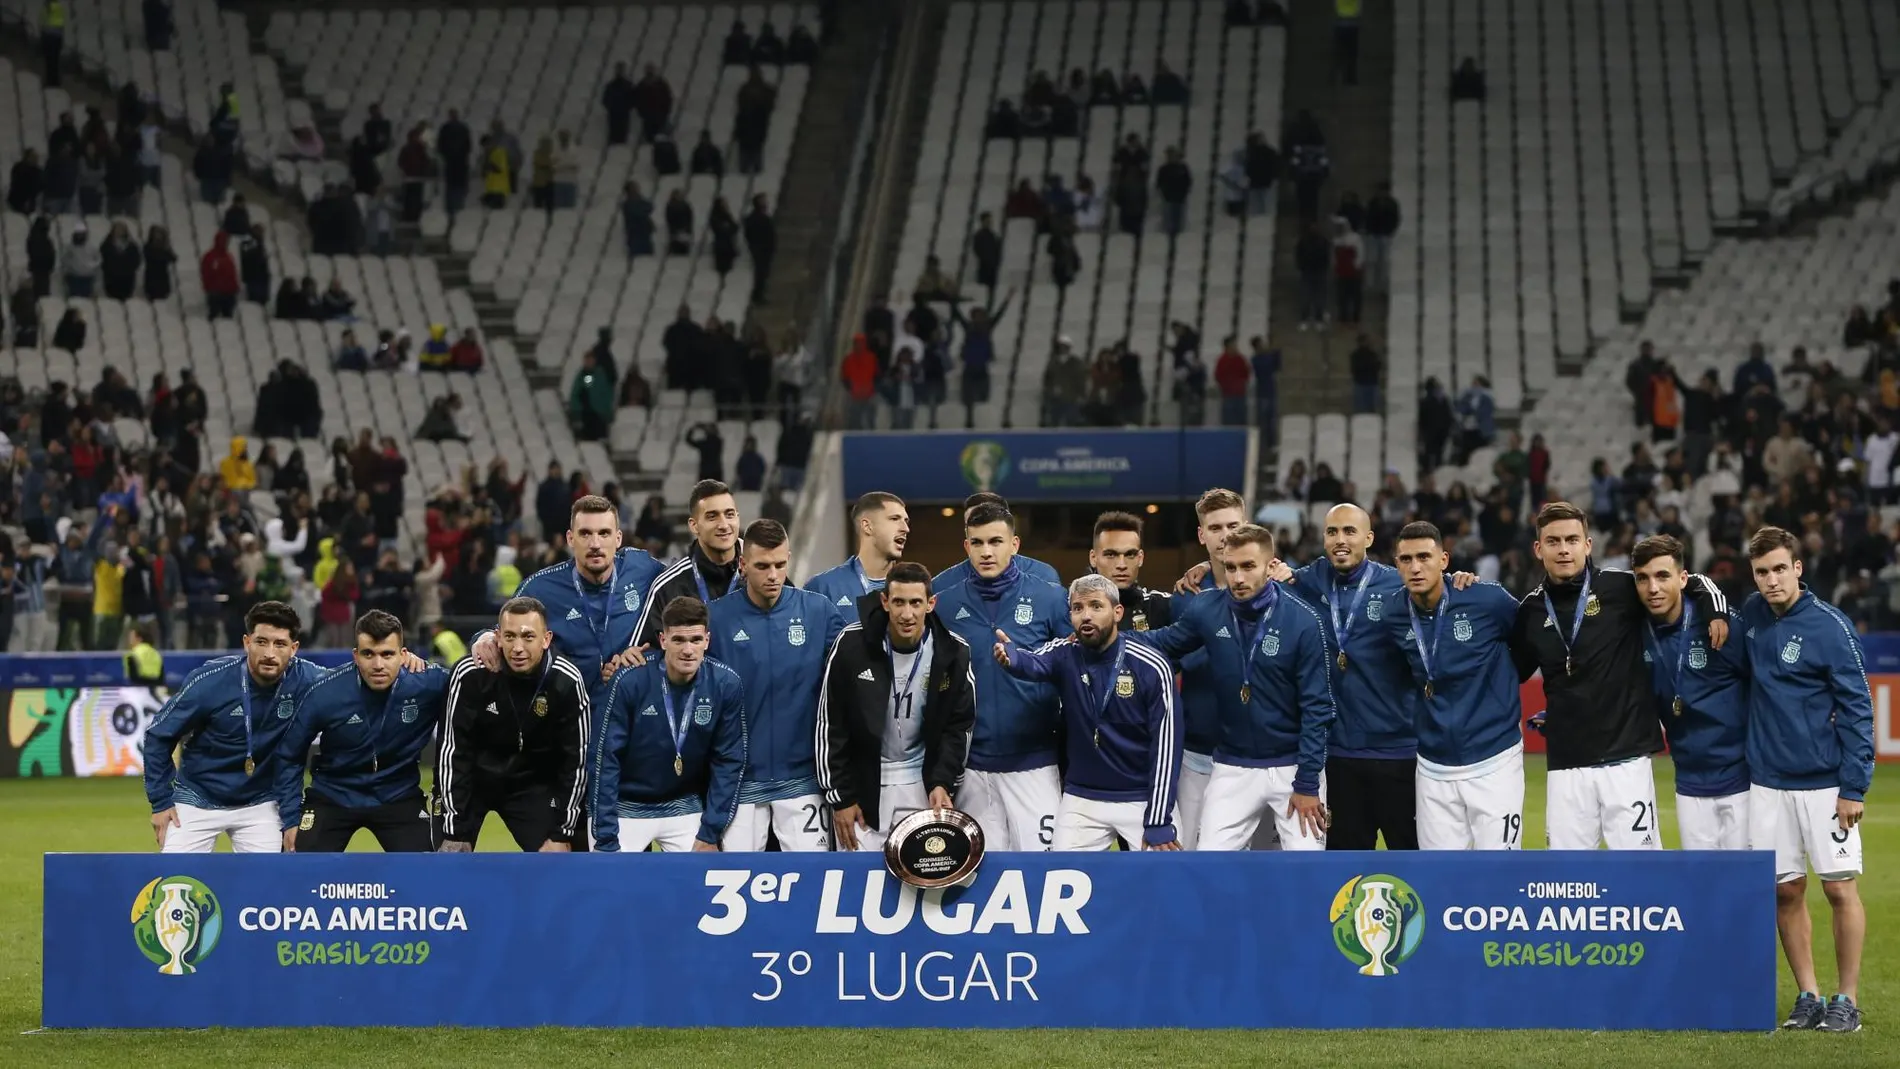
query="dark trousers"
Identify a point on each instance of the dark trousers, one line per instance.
(619, 123)
(1369, 797)
(1346, 293)
(1346, 52)
(400, 827)
(532, 814)
(75, 623)
(761, 275)
(221, 305)
(52, 44)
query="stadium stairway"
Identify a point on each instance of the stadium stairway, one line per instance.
(1356, 120)
(88, 86)
(812, 193)
(496, 316)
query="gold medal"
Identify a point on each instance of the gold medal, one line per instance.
(1341, 660)
(1677, 705)
(1246, 692)
(250, 766)
(1428, 692)
(679, 766)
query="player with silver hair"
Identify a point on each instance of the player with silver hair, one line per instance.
(1123, 733)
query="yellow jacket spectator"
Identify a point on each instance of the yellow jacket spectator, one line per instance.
(108, 583)
(435, 352)
(144, 665)
(237, 471)
(326, 563)
(504, 578)
(497, 180)
(449, 648)
(108, 597)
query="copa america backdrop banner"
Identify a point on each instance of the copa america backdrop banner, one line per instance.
(73, 714)
(1052, 465)
(1147, 940)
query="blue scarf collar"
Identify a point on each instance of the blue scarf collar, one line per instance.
(1260, 602)
(994, 589)
(1348, 578)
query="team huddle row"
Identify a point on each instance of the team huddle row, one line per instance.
(711, 704)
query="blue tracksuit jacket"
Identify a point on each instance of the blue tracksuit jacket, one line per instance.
(633, 764)
(963, 572)
(1288, 714)
(843, 586)
(1129, 751)
(1016, 720)
(780, 657)
(371, 742)
(1708, 740)
(1474, 712)
(1378, 702)
(592, 623)
(1206, 675)
(207, 713)
(1810, 710)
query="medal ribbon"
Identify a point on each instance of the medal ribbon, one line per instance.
(1343, 627)
(1246, 650)
(1418, 632)
(679, 725)
(865, 582)
(915, 661)
(705, 595)
(1569, 639)
(1108, 692)
(1654, 642)
(607, 610)
(244, 699)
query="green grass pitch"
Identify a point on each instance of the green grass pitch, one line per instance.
(41, 815)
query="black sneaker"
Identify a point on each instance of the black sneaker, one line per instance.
(1841, 1016)
(1807, 1013)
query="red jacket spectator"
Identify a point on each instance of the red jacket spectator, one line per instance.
(444, 541)
(466, 355)
(1024, 203)
(338, 603)
(860, 369)
(1230, 373)
(218, 270)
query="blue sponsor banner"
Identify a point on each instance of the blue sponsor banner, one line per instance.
(1147, 940)
(1883, 651)
(1053, 465)
(25, 671)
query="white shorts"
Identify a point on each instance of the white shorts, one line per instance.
(254, 829)
(1189, 791)
(803, 825)
(1017, 809)
(895, 801)
(1614, 805)
(1240, 799)
(1802, 830)
(1090, 824)
(1482, 812)
(676, 835)
(1713, 823)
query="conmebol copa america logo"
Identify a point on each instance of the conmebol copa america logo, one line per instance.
(176, 922)
(1376, 923)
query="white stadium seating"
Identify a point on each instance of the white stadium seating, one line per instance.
(232, 357)
(1620, 142)
(1215, 275)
